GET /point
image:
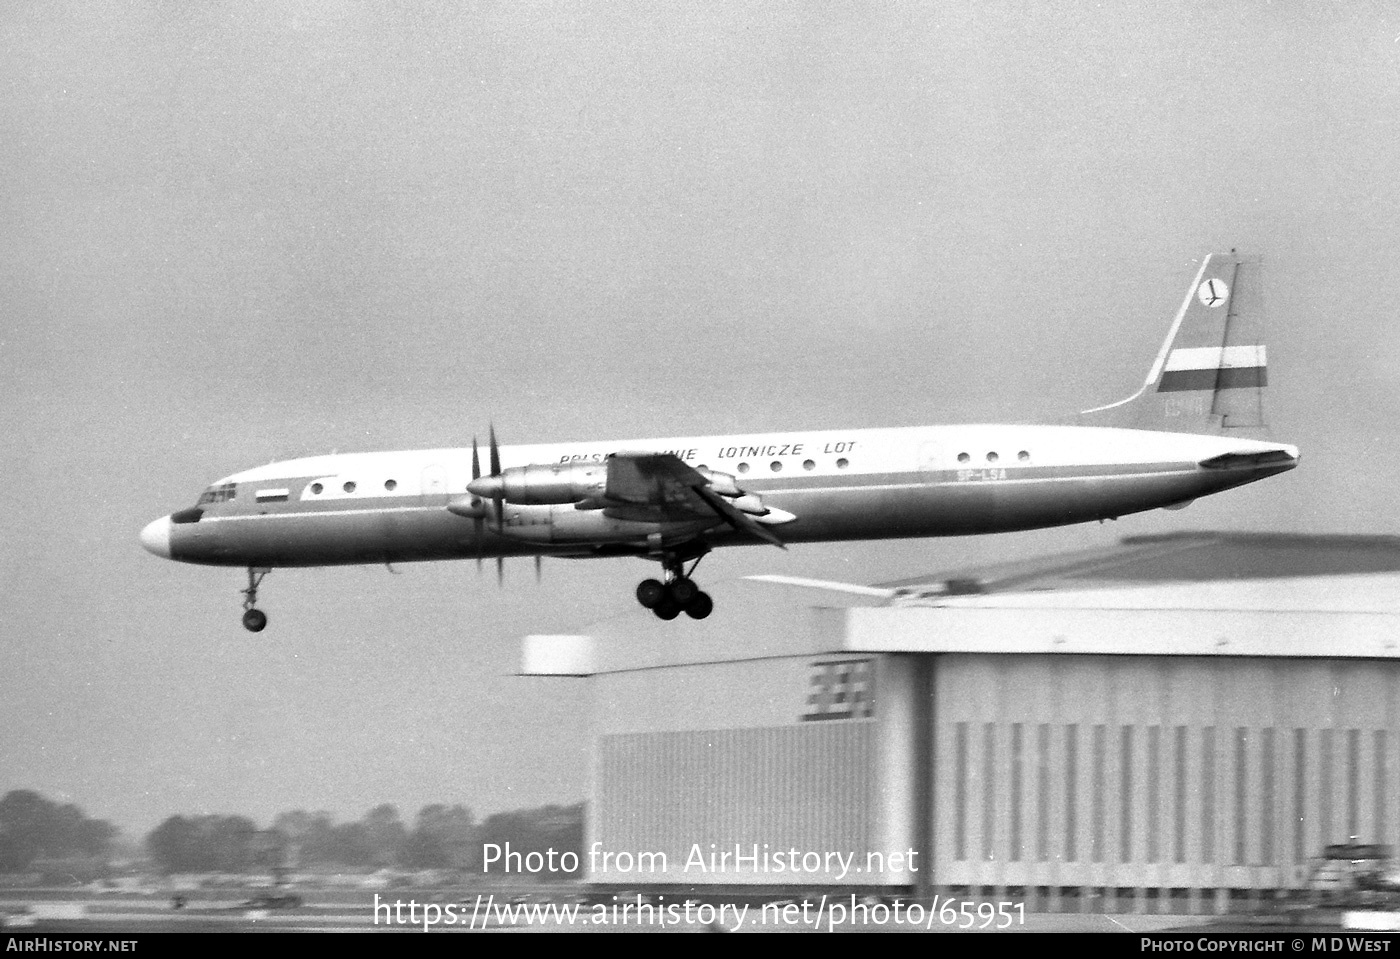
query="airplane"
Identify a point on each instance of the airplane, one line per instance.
(1180, 436)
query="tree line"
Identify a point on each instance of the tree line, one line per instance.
(35, 831)
(441, 837)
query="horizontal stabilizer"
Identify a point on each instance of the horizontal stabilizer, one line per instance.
(826, 584)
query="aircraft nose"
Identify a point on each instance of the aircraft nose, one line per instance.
(156, 537)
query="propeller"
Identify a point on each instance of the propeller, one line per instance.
(490, 487)
(478, 521)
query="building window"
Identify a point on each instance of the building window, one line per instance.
(1268, 804)
(1125, 797)
(1353, 786)
(1154, 786)
(1241, 784)
(1180, 779)
(1096, 798)
(1042, 811)
(1071, 792)
(1300, 772)
(1380, 781)
(1324, 774)
(960, 792)
(989, 793)
(1016, 774)
(1208, 794)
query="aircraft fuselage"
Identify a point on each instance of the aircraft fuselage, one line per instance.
(839, 485)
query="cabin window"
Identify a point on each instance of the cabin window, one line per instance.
(1023, 456)
(316, 488)
(775, 466)
(391, 485)
(349, 487)
(808, 465)
(842, 463)
(963, 457)
(991, 457)
(743, 467)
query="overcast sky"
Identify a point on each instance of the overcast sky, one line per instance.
(232, 233)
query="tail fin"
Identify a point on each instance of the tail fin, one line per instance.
(1210, 374)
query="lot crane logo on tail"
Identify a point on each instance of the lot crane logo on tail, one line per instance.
(1213, 292)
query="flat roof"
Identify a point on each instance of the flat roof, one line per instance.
(1185, 594)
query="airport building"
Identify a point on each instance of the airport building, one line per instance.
(1177, 724)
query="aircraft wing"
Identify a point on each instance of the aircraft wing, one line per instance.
(664, 487)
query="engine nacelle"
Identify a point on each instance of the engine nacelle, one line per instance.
(563, 525)
(541, 485)
(749, 503)
(722, 483)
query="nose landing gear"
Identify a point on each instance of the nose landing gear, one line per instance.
(254, 619)
(679, 593)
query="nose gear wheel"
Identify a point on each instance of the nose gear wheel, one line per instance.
(254, 619)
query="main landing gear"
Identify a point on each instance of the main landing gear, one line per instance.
(254, 619)
(679, 593)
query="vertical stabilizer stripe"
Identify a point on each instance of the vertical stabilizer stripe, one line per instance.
(1216, 358)
(1235, 378)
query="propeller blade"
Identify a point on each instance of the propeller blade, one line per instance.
(500, 571)
(479, 531)
(500, 501)
(538, 561)
(478, 522)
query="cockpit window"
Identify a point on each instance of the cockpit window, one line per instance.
(217, 494)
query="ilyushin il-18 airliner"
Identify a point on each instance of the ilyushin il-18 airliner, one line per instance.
(1181, 436)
